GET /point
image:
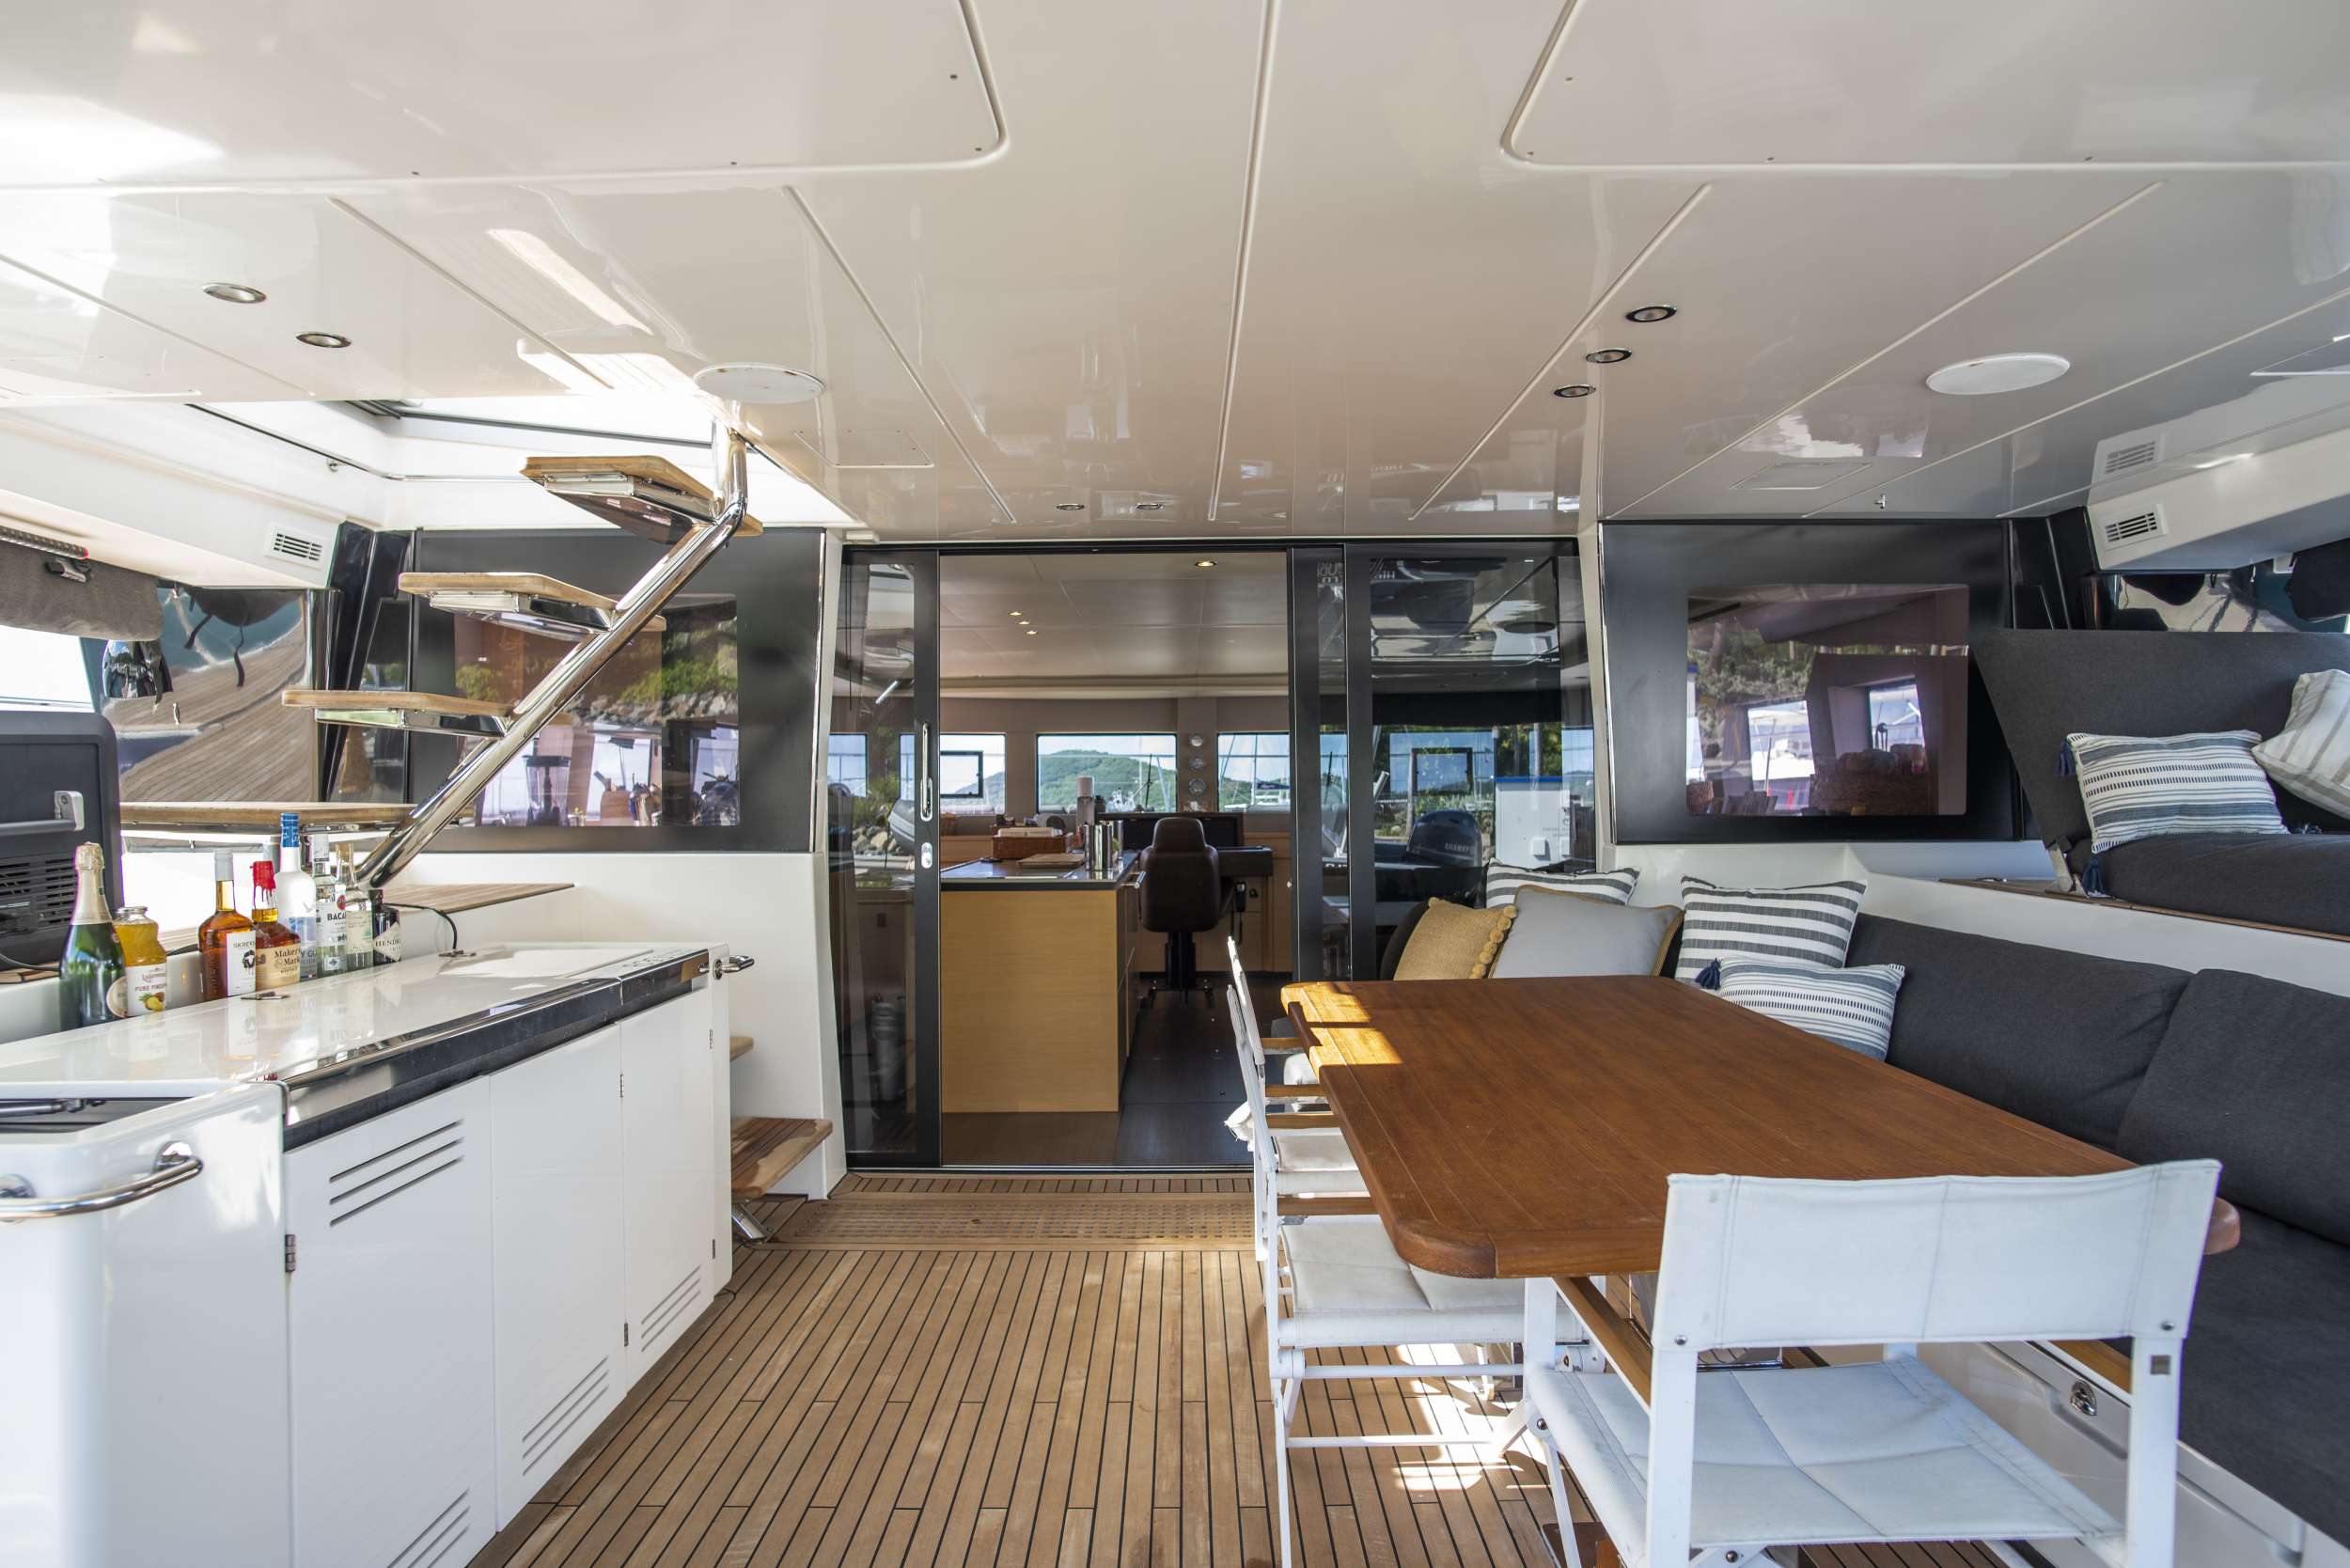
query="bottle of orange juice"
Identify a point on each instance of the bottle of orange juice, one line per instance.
(146, 968)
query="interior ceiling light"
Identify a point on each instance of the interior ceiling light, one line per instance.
(1609, 356)
(1203, 563)
(758, 384)
(1029, 632)
(1015, 614)
(1997, 372)
(1580, 389)
(1069, 506)
(235, 293)
(1648, 313)
(1149, 505)
(323, 339)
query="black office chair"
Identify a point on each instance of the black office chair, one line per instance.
(1182, 894)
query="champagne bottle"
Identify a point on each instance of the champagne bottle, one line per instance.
(224, 941)
(276, 950)
(91, 984)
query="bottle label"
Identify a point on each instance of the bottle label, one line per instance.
(118, 997)
(237, 963)
(358, 936)
(144, 985)
(387, 949)
(277, 969)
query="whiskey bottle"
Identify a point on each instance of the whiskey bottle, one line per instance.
(276, 950)
(90, 984)
(223, 943)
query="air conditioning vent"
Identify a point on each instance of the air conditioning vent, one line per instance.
(2138, 454)
(436, 1540)
(35, 895)
(669, 1310)
(297, 547)
(2134, 526)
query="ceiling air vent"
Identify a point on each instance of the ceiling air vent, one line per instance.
(2124, 460)
(2132, 528)
(1802, 474)
(297, 547)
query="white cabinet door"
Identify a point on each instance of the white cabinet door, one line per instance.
(722, 1123)
(555, 1182)
(393, 1398)
(666, 1115)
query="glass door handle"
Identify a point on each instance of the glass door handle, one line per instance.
(926, 790)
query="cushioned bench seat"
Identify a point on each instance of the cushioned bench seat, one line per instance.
(2300, 880)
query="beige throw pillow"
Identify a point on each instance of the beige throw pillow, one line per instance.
(1453, 943)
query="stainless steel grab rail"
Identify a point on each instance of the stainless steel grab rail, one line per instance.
(175, 1163)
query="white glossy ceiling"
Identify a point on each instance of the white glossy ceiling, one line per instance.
(1239, 268)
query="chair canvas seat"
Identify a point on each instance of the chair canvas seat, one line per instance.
(1883, 1450)
(1349, 1287)
(1315, 1160)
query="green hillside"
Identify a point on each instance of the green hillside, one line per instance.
(1144, 786)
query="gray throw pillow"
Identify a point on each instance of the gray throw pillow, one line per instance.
(1567, 933)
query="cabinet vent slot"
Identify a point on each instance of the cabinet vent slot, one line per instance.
(437, 1539)
(666, 1312)
(2137, 525)
(296, 547)
(433, 1137)
(421, 1164)
(35, 894)
(546, 1432)
(2138, 454)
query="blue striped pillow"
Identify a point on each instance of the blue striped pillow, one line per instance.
(2140, 786)
(1809, 926)
(1503, 880)
(1852, 1008)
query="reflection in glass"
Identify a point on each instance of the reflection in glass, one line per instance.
(206, 723)
(1252, 771)
(1820, 699)
(654, 738)
(1480, 727)
(872, 835)
(971, 774)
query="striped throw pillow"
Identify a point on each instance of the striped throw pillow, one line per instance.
(1852, 1008)
(2140, 786)
(1804, 926)
(1502, 883)
(2311, 755)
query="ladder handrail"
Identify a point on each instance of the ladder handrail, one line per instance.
(576, 668)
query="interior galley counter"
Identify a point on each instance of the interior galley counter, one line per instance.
(1038, 980)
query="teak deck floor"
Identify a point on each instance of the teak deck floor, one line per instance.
(942, 1372)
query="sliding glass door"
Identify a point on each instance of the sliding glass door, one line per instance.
(1445, 692)
(881, 760)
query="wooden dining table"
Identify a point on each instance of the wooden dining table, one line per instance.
(1519, 1127)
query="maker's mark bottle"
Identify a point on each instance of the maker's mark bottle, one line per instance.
(91, 987)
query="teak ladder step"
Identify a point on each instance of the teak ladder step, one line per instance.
(648, 496)
(738, 1045)
(528, 601)
(765, 1147)
(429, 712)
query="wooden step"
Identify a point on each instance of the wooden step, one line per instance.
(650, 496)
(528, 601)
(258, 816)
(427, 712)
(765, 1147)
(738, 1045)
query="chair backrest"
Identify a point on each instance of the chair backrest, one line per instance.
(1749, 1260)
(1181, 888)
(1244, 1010)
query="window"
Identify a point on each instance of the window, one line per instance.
(844, 762)
(1130, 773)
(971, 773)
(1253, 770)
(44, 669)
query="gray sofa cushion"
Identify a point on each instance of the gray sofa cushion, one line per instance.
(2266, 1374)
(2255, 1073)
(1575, 933)
(2299, 879)
(2060, 1039)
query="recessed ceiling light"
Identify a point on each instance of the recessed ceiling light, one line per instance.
(1203, 563)
(1580, 389)
(1648, 313)
(1149, 505)
(1069, 506)
(1029, 632)
(323, 339)
(1609, 356)
(1997, 372)
(758, 384)
(1016, 614)
(235, 293)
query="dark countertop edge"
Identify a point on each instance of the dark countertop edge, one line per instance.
(410, 1068)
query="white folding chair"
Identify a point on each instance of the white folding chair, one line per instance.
(1344, 1286)
(1883, 1450)
(1305, 1160)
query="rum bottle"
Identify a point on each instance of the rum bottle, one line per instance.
(223, 943)
(276, 950)
(90, 984)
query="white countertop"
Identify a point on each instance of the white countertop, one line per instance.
(194, 1050)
